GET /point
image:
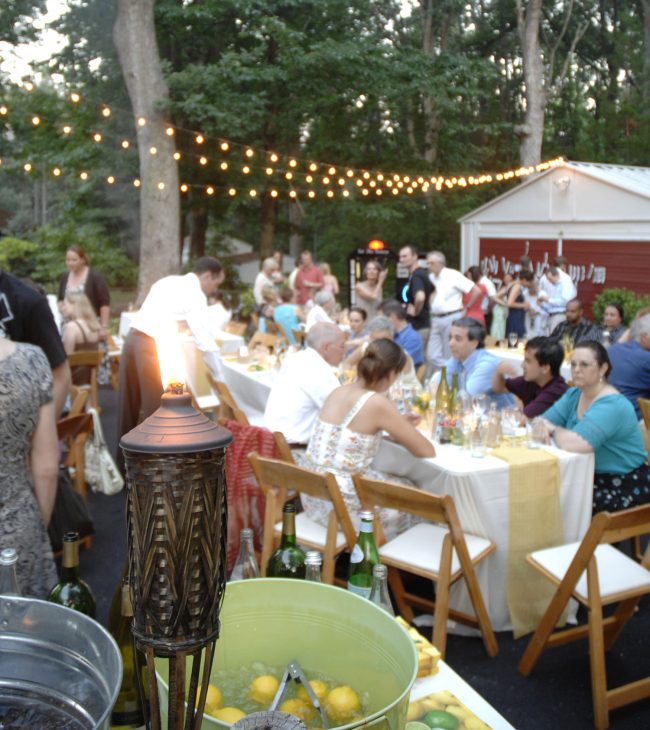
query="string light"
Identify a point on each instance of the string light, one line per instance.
(252, 192)
(75, 98)
(161, 186)
(184, 188)
(106, 112)
(177, 156)
(274, 193)
(232, 192)
(136, 183)
(224, 146)
(3, 110)
(56, 171)
(209, 190)
(274, 157)
(224, 165)
(27, 167)
(199, 139)
(36, 120)
(250, 152)
(125, 144)
(83, 175)
(141, 121)
(169, 131)
(203, 160)
(97, 137)
(110, 179)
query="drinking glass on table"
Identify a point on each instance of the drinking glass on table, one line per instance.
(478, 439)
(509, 421)
(512, 339)
(536, 431)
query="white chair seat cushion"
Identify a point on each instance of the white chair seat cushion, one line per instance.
(308, 531)
(421, 547)
(616, 572)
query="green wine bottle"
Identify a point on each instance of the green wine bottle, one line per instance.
(363, 558)
(71, 591)
(288, 561)
(127, 711)
(443, 398)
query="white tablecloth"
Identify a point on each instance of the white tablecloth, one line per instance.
(480, 488)
(516, 358)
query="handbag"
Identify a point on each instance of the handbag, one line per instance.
(70, 512)
(100, 471)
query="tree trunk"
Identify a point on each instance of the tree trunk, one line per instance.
(135, 40)
(531, 132)
(431, 118)
(296, 218)
(198, 230)
(646, 55)
(267, 231)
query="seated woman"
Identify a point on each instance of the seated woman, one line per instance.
(594, 416)
(348, 432)
(81, 331)
(613, 326)
(288, 314)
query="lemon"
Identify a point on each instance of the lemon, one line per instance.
(263, 689)
(342, 704)
(229, 715)
(213, 700)
(298, 708)
(319, 688)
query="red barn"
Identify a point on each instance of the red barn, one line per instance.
(596, 215)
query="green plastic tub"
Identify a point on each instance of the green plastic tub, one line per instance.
(325, 629)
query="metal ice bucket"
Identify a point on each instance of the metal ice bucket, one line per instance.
(58, 668)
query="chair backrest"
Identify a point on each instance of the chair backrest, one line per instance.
(644, 407)
(433, 507)
(490, 341)
(299, 336)
(274, 475)
(73, 426)
(282, 333)
(262, 338)
(228, 405)
(92, 360)
(283, 447)
(236, 328)
(78, 399)
(609, 527)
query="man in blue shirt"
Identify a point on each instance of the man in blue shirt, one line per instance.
(474, 365)
(631, 364)
(405, 336)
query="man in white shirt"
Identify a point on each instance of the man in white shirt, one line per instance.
(320, 312)
(552, 297)
(446, 306)
(171, 300)
(264, 278)
(305, 380)
(488, 300)
(569, 289)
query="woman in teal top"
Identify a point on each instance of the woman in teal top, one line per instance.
(286, 314)
(594, 417)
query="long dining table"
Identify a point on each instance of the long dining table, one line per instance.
(480, 488)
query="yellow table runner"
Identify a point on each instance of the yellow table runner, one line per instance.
(535, 523)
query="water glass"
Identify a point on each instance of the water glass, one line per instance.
(478, 440)
(536, 433)
(512, 339)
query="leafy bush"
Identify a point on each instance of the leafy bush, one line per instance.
(629, 300)
(16, 256)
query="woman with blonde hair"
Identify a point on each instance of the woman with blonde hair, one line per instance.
(81, 331)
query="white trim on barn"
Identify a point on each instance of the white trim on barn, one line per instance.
(575, 200)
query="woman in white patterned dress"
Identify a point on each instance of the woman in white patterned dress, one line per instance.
(349, 430)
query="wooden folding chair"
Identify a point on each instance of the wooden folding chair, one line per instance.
(596, 574)
(78, 400)
(438, 550)
(282, 334)
(262, 338)
(228, 408)
(236, 328)
(277, 480)
(74, 430)
(90, 359)
(283, 448)
(644, 407)
(114, 355)
(299, 336)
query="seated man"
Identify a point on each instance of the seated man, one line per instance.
(473, 364)
(541, 384)
(630, 360)
(405, 336)
(305, 380)
(575, 327)
(322, 309)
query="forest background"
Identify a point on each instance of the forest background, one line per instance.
(428, 89)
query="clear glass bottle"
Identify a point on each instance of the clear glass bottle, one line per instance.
(313, 563)
(288, 561)
(246, 564)
(363, 558)
(71, 590)
(127, 711)
(493, 435)
(8, 578)
(379, 593)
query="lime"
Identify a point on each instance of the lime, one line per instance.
(441, 719)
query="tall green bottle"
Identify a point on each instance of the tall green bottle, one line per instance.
(288, 561)
(363, 558)
(453, 395)
(127, 711)
(443, 397)
(71, 591)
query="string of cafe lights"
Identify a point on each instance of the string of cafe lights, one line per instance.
(304, 179)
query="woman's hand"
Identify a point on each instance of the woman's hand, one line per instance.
(382, 276)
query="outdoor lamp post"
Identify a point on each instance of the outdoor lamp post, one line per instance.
(176, 532)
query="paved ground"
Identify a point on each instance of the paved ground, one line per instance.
(557, 695)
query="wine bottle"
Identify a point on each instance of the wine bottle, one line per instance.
(246, 563)
(313, 562)
(363, 558)
(8, 578)
(443, 435)
(379, 593)
(71, 590)
(288, 561)
(127, 711)
(452, 406)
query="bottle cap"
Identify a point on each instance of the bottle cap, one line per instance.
(313, 557)
(379, 570)
(245, 533)
(8, 556)
(367, 514)
(289, 507)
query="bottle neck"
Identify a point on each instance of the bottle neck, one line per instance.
(70, 562)
(288, 530)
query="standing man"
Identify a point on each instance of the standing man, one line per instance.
(552, 298)
(309, 279)
(569, 289)
(25, 316)
(446, 306)
(171, 300)
(416, 293)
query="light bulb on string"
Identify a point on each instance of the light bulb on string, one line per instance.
(293, 194)
(66, 129)
(309, 179)
(83, 175)
(341, 181)
(184, 188)
(274, 193)
(27, 167)
(106, 112)
(311, 194)
(141, 121)
(359, 183)
(125, 144)
(252, 192)
(75, 98)
(169, 131)
(224, 146)
(365, 191)
(292, 163)
(97, 137)
(36, 120)
(346, 193)
(199, 139)
(177, 156)
(161, 186)
(232, 192)
(56, 172)
(246, 170)
(288, 175)
(273, 157)
(224, 165)
(250, 152)
(153, 150)
(349, 173)
(332, 171)
(3, 110)
(28, 86)
(209, 190)
(330, 193)
(203, 160)
(269, 170)
(326, 181)
(110, 179)
(379, 191)
(313, 167)
(136, 183)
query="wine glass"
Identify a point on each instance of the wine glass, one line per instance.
(480, 406)
(512, 339)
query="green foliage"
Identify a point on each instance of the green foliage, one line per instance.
(629, 300)
(15, 255)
